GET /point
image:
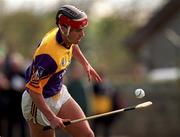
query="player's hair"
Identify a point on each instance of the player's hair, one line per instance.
(71, 17)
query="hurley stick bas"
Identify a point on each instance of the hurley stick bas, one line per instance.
(142, 105)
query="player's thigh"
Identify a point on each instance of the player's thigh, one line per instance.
(36, 130)
(71, 110)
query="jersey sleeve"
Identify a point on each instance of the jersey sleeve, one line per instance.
(39, 72)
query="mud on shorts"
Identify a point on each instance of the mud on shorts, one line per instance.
(31, 112)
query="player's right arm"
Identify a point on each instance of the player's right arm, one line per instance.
(38, 74)
(38, 99)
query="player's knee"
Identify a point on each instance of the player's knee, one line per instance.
(89, 133)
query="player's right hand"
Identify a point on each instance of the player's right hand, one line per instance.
(57, 122)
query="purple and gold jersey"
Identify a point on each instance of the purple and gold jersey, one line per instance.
(50, 61)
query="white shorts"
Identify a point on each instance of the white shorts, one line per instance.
(31, 112)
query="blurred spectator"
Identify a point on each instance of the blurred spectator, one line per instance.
(15, 74)
(105, 98)
(4, 97)
(76, 88)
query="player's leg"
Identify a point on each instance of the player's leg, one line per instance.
(36, 130)
(71, 110)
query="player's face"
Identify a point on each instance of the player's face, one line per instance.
(76, 35)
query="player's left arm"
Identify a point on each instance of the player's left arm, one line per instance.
(78, 55)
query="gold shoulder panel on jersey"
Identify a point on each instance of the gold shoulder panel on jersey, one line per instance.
(59, 53)
(49, 36)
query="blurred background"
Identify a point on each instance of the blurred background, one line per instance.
(131, 43)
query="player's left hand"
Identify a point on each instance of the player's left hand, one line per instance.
(92, 74)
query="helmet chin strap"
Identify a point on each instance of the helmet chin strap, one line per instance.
(66, 34)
